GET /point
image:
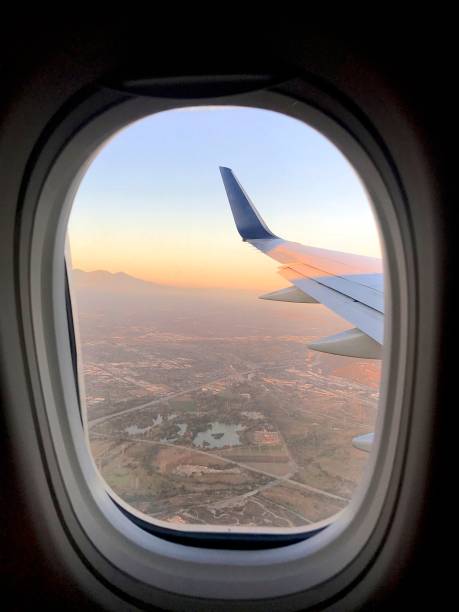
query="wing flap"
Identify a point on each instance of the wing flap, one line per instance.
(364, 442)
(350, 343)
(289, 294)
(346, 285)
(369, 320)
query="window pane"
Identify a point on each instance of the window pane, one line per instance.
(205, 406)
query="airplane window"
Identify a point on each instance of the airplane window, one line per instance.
(205, 407)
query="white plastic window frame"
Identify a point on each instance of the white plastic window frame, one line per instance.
(141, 566)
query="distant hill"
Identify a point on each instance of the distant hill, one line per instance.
(102, 280)
(121, 298)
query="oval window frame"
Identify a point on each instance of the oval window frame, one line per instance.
(95, 523)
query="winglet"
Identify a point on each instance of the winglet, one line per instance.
(248, 222)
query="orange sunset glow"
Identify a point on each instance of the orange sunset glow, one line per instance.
(152, 204)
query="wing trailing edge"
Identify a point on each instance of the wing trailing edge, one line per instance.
(350, 343)
(289, 294)
(364, 442)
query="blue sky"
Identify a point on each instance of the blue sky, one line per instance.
(153, 205)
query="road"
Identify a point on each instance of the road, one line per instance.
(165, 398)
(286, 479)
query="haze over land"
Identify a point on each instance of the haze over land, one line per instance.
(205, 406)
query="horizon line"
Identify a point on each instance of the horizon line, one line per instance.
(165, 285)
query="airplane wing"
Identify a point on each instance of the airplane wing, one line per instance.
(350, 285)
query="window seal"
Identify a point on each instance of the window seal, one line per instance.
(216, 540)
(72, 338)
